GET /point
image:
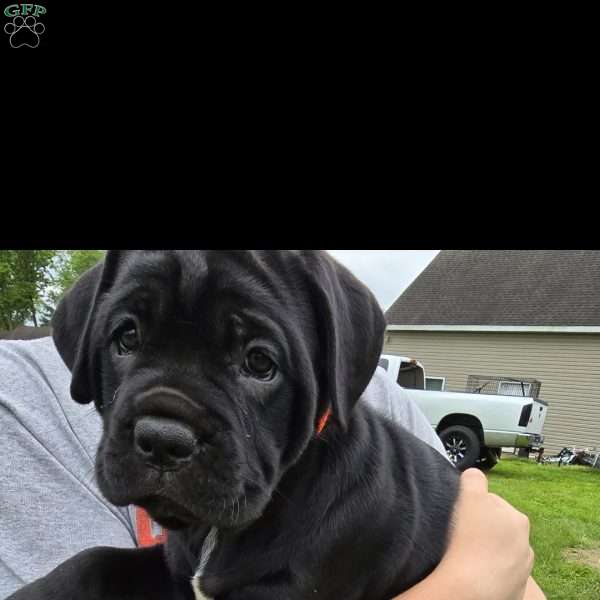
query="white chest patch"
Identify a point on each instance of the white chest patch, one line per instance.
(198, 594)
(209, 545)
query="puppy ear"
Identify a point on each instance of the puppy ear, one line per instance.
(72, 323)
(352, 326)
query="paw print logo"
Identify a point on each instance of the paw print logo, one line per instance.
(24, 31)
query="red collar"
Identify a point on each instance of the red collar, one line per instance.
(323, 421)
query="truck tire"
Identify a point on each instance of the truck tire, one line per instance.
(488, 459)
(462, 446)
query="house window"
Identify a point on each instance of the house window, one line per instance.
(514, 388)
(435, 384)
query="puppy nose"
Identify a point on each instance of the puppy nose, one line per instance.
(164, 443)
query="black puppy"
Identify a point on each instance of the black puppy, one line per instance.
(228, 385)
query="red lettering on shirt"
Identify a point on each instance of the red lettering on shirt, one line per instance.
(148, 532)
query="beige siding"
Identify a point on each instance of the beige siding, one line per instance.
(568, 365)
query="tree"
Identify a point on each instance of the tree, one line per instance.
(33, 281)
(69, 265)
(24, 276)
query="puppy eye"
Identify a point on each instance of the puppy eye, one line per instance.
(128, 340)
(259, 364)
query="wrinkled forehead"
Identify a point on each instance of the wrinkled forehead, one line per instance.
(265, 274)
(169, 272)
(190, 282)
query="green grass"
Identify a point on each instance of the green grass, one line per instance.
(563, 506)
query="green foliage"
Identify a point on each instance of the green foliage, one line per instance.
(562, 506)
(71, 264)
(32, 282)
(24, 275)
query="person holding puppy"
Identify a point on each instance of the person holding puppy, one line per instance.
(325, 328)
(52, 509)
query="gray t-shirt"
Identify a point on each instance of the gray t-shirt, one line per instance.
(50, 505)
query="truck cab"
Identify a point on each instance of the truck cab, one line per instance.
(473, 427)
(408, 372)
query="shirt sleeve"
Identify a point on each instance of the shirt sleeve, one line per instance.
(50, 505)
(391, 400)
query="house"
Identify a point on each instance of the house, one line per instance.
(518, 314)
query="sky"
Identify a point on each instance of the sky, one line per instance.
(386, 272)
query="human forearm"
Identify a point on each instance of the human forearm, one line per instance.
(439, 585)
(442, 586)
(488, 558)
(533, 591)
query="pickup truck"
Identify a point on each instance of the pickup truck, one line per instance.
(473, 427)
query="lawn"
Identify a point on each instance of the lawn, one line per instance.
(563, 506)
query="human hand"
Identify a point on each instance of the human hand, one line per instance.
(488, 556)
(489, 546)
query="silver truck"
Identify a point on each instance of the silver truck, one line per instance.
(473, 427)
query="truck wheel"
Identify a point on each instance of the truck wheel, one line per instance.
(489, 458)
(462, 446)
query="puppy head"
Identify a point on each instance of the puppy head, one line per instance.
(212, 370)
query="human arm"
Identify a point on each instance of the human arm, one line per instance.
(51, 508)
(482, 522)
(445, 587)
(489, 556)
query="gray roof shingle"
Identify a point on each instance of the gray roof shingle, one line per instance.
(504, 287)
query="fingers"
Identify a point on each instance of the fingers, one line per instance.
(520, 520)
(473, 480)
(530, 559)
